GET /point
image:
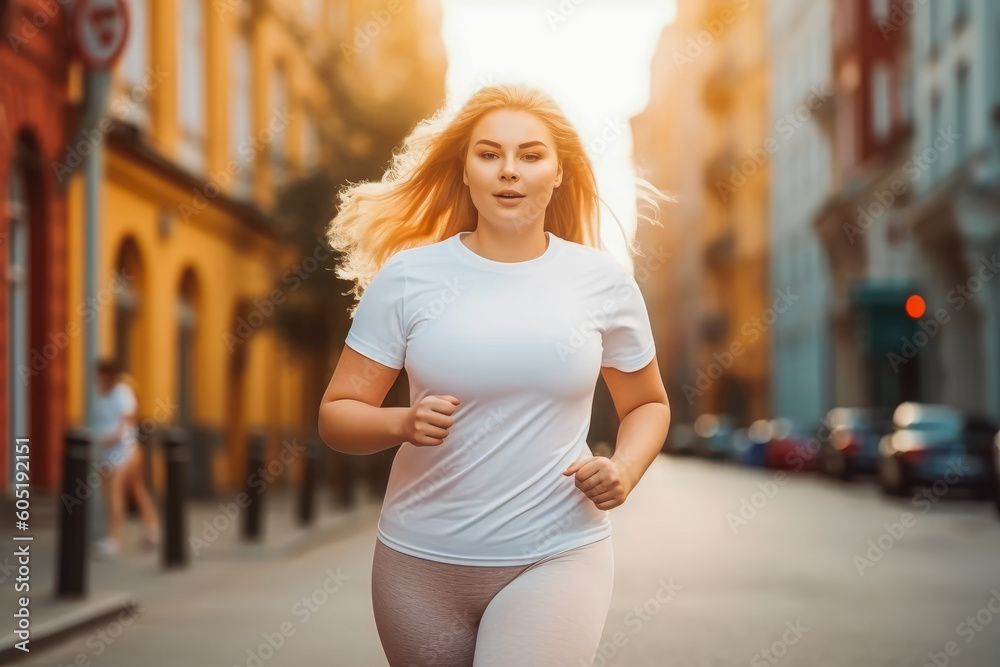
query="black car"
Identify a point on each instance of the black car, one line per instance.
(852, 446)
(939, 446)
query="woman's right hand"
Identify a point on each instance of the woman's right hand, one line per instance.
(427, 422)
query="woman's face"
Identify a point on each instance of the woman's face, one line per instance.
(511, 151)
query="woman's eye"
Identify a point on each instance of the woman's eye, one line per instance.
(531, 155)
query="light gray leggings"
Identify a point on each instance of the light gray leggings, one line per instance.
(546, 614)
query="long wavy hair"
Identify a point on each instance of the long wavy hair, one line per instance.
(422, 198)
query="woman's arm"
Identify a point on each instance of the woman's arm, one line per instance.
(350, 417)
(641, 402)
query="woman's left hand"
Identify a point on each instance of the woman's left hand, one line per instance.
(605, 481)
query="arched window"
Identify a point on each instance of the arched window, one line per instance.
(187, 324)
(18, 299)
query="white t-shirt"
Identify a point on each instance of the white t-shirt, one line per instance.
(110, 408)
(521, 345)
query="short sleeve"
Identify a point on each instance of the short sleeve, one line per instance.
(127, 402)
(378, 330)
(628, 338)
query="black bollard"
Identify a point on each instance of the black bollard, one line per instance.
(73, 547)
(252, 518)
(342, 479)
(177, 449)
(310, 479)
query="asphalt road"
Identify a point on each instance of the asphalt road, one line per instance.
(715, 566)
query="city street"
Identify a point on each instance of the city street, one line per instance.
(799, 583)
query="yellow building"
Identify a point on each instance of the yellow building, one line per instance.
(706, 118)
(216, 105)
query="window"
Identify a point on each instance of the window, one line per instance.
(309, 142)
(906, 95)
(880, 9)
(934, 165)
(960, 10)
(845, 132)
(934, 25)
(241, 129)
(191, 84)
(881, 117)
(129, 99)
(963, 124)
(278, 123)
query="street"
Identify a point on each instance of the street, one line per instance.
(716, 565)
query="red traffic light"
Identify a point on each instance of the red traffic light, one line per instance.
(915, 306)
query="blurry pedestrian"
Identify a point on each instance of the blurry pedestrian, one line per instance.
(120, 458)
(478, 254)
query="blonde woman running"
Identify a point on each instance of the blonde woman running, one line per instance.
(477, 254)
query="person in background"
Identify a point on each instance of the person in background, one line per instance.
(120, 455)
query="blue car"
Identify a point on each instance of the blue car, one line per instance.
(937, 446)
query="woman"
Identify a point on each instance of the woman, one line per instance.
(494, 541)
(120, 458)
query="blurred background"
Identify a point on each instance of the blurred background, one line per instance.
(822, 292)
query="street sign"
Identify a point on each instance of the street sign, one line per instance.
(100, 31)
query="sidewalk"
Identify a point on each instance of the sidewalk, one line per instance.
(213, 538)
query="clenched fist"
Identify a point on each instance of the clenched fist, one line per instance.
(428, 421)
(605, 481)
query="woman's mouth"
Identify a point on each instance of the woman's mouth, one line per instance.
(508, 199)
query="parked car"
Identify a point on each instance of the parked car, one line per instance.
(749, 443)
(681, 440)
(937, 443)
(715, 436)
(996, 471)
(852, 445)
(791, 446)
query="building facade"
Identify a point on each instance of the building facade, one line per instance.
(34, 64)
(700, 139)
(801, 97)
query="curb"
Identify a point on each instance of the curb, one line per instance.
(97, 611)
(91, 612)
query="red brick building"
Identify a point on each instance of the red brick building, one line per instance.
(34, 70)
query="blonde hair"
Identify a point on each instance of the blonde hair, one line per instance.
(422, 198)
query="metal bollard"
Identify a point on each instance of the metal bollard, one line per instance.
(342, 479)
(73, 547)
(310, 479)
(252, 518)
(177, 448)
